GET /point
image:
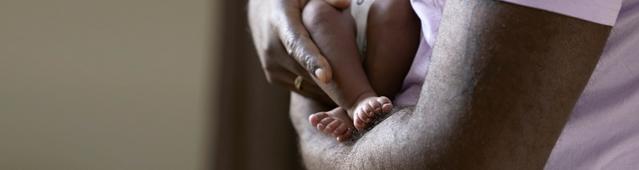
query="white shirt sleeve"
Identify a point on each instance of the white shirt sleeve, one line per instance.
(598, 11)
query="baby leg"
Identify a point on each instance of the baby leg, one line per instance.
(387, 63)
(334, 33)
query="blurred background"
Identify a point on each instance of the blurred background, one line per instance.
(137, 84)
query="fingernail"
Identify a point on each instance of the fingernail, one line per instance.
(321, 75)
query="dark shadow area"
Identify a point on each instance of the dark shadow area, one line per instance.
(253, 127)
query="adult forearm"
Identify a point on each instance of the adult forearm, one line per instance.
(502, 82)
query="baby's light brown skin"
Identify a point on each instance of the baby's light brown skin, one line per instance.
(392, 40)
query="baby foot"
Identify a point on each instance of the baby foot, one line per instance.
(370, 109)
(335, 122)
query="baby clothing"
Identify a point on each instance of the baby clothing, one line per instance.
(359, 11)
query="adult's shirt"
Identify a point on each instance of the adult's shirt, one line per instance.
(603, 129)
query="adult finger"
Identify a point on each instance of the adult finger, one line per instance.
(299, 45)
(281, 69)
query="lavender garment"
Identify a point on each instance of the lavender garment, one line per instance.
(597, 11)
(429, 12)
(603, 130)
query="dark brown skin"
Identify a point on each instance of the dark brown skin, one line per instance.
(502, 82)
(285, 48)
(385, 64)
(334, 34)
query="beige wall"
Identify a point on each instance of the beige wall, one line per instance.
(109, 84)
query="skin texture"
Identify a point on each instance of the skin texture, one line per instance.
(385, 65)
(502, 82)
(334, 32)
(285, 48)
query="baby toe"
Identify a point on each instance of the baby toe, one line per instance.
(340, 130)
(331, 127)
(383, 99)
(387, 107)
(320, 127)
(366, 109)
(359, 124)
(323, 123)
(345, 136)
(314, 119)
(363, 116)
(374, 104)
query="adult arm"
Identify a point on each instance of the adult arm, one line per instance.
(502, 82)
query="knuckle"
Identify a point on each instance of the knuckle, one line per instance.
(308, 62)
(290, 40)
(303, 58)
(297, 51)
(293, 46)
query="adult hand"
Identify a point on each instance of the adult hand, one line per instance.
(285, 48)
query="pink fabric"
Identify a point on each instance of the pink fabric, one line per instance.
(603, 130)
(430, 13)
(598, 11)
